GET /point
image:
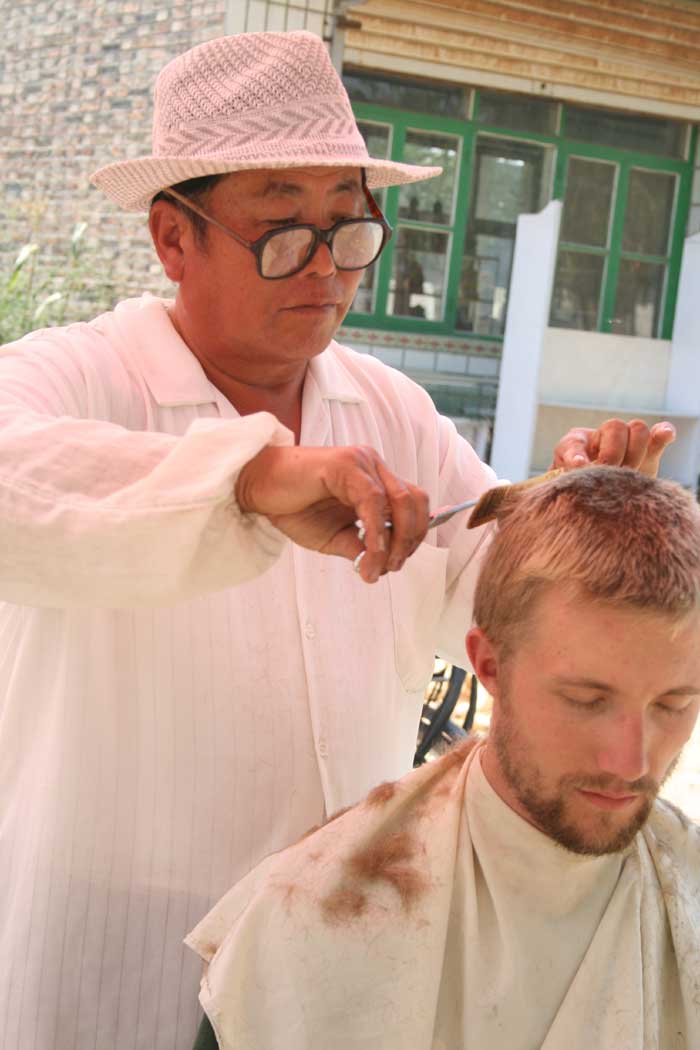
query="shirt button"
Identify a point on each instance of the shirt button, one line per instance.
(322, 747)
(309, 630)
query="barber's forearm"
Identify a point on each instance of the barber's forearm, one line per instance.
(93, 514)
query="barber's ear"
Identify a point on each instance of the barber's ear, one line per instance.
(484, 659)
(169, 230)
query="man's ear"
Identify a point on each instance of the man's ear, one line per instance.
(169, 230)
(483, 657)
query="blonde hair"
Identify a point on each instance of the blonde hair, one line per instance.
(608, 533)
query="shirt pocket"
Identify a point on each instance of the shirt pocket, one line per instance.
(417, 597)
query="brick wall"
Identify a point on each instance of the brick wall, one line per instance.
(76, 83)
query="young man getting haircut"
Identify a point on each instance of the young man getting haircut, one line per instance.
(526, 891)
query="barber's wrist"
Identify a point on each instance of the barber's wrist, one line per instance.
(249, 476)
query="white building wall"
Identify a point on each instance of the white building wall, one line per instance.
(610, 371)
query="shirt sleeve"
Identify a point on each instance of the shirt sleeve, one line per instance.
(463, 476)
(93, 513)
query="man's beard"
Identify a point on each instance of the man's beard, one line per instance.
(551, 812)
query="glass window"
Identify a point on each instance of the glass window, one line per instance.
(645, 134)
(640, 288)
(577, 288)
(433, 200)
(509, 178)
(517, 112)
(588, 202)
(419, 277)
(650, 200)
(378, 139)
(444, 100)
(470, 400)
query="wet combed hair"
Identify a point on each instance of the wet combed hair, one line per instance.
(608, 533)
(196, 190)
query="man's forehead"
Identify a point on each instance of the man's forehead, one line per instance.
(297, 182)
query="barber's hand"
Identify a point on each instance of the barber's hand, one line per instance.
(615, 444)
(315, 495)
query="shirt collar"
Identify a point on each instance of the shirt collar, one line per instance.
(172, 372)
(174, 375)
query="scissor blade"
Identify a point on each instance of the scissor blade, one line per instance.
(444, 515)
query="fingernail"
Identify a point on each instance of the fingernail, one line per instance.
(395, 564)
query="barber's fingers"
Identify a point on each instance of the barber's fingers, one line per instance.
(615, 443)
(575, 449)
(394, 512)
(408, 512)
(615, 439)
(661, 436)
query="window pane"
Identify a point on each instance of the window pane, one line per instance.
(419, 277)
(640, 287)
(509, 178)
(667, 138)
(576, 295)
(649, 210)
(432, 200)
(363, 303)
(378, 139)
(474, 400)
(439, 100)
(588, 201)
(518, 112)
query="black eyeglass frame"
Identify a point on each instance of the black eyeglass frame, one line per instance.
(319, 236)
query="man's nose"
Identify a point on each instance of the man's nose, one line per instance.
(322, 262)
(624, 751)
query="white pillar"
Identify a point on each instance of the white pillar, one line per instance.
(529, 298)
(683, 393)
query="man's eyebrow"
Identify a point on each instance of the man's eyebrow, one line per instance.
(583, 683)
(277, 188)
(605, 687)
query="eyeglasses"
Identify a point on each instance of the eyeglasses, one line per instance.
(354, 244)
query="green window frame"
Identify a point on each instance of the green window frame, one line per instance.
(614, 254)
(402, 122)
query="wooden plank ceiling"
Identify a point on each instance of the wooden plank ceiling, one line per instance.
(639, 54)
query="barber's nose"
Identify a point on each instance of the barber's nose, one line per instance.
(322, 262)
(624, 751)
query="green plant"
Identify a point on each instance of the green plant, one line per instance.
(43, 290)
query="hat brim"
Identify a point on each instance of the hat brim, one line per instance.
(132, 184)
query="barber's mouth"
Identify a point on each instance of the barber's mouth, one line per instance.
(603, 801)
(313, 308)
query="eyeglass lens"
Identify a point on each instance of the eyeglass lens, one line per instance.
(353, 246)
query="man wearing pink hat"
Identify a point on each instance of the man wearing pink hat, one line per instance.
(184, 690)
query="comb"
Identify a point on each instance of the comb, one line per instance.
(492, 502)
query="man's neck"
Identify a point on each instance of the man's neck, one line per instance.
(251, 390)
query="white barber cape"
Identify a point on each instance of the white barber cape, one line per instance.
(432, 917)
(181, 690)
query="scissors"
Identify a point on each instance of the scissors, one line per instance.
(435, 519)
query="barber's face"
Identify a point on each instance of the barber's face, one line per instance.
(590, 714)
(229, 312)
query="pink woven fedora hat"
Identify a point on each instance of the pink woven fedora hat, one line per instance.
(247, 102)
